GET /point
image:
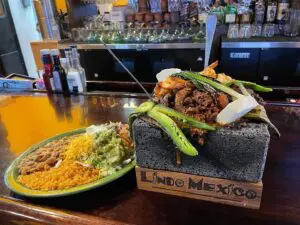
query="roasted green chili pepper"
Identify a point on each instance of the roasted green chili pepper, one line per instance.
(144, 107)
(161, 115)
(141, 109)
(173, 131)
(252, 85)
(188, 120)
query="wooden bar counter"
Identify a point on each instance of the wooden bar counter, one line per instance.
(26, 119)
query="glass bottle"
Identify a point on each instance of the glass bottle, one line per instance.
(218, 10)
(184, 11)
(259, 12)
(193, 9)
(59, 74)
(230, 12)
(271, 11)
(203, 11)
(73, 75)
(75, 56)
(283, 5)
(282, 13)
(245, 12)
(47, 70)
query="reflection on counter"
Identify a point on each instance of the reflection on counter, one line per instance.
(130, 105)
(25, 115)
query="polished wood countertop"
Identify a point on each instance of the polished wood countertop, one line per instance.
(26, 119)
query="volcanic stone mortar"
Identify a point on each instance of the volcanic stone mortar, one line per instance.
(229, 153)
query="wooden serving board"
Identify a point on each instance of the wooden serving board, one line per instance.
(237, 193)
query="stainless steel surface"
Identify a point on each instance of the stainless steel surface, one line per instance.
(285, 88)
(138, 47)
(286, 104)
(211, 25)
(119, 93)
(261, 44)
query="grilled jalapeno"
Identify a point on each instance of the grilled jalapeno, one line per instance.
(173, 131)
(188, 120)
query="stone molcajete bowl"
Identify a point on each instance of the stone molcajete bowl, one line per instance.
(229, 153)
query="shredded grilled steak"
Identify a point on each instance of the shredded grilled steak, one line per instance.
(198, 134)
(168, 100)
(201, 105)
(198, 104)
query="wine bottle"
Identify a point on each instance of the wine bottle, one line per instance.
(230, 12)
(59, 74)
(218, 10)
(259, 12)
(282, 13)
(271, 11)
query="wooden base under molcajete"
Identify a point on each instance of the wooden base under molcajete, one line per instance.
(236, 193)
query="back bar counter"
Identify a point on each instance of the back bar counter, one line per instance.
(273, 61)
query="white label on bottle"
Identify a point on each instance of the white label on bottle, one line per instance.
(202, 17)
(230, 18)
(57, 82)
(271, 13)
(282, 8)
(74, 82)
(117, 16)
(52, 83)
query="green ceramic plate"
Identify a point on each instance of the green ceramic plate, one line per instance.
(11, 175)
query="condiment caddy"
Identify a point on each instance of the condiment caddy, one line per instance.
(67, 78)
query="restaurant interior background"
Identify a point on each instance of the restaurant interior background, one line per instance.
(65, 70)
(254, 40)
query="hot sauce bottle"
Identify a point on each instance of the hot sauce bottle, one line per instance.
(47, 70)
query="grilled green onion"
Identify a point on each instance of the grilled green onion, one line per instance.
(200, 78)
(254, 86)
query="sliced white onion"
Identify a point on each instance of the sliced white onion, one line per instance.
(58, 163)
(127, 161)
(236, 109)
(162, 75)
(95, 129)
(83, 164)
